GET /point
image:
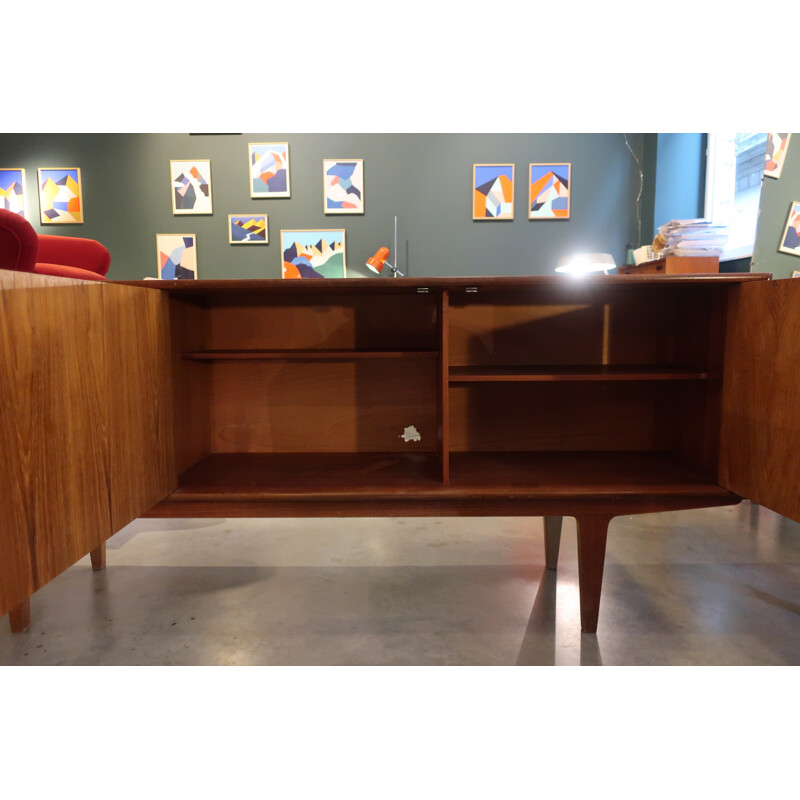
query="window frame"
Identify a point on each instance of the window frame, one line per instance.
(728, 253)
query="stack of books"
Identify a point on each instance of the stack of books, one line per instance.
(690, 237)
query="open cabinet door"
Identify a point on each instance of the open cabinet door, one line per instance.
(141, 441)
(85, 420)
(760, 432)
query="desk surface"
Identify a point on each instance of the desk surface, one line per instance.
(388, 285)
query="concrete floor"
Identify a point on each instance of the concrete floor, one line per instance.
(709, 587)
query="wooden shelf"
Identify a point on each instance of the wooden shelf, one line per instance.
(579, 474)
(578, 373)
(301, 355)
(231, 477)
(270, 476)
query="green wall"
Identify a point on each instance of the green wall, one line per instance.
(424, 179)
(680, 177)
(777, 195)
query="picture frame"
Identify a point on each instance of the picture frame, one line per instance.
(492, 192)
(268, 169)
(790, 240)
(60, 195)
(177, 256)
(248, 229)
(777, 145)
(549, 189)
(313, 253)
(343, 185)
(13, 194)
(190, 181)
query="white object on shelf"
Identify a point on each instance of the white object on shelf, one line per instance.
(642, 254)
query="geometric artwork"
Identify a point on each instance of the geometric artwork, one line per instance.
(790, 241)
(60, 196)
(777, 145)
(247, 229)
(492, 191)
(177, 256)
(343, 185)
(549, 191)
(191, 186)
(269, 169)
(312, 254)
(12, 191)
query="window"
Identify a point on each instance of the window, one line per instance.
(734, 169)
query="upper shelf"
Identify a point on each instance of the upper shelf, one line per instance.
(579, 373)
(302, 355)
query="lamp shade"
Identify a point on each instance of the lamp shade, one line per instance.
(586, 262)
(377, 262)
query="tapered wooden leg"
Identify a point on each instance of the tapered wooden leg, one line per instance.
(592, 535)
(98, 556)
(20, 617)
(552, 540)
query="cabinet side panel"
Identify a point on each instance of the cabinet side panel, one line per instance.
(761, 396)
(53, 427)
(142, 462)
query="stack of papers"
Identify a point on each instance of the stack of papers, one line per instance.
(691, 237)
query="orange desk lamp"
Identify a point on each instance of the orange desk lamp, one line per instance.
(378, 261)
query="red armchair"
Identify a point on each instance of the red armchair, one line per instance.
(22, 249)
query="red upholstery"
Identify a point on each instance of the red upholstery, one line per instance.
(18, 242)
(70, 251)
(23, 250)
(65, 271)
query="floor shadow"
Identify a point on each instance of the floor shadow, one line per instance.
(590, 651)
(538, 646)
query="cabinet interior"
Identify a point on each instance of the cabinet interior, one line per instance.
(426, 391)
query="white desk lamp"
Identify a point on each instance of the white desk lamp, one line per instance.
(582, 263)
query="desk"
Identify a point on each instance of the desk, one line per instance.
(548, 396)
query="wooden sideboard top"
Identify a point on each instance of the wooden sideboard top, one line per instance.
(458, 284)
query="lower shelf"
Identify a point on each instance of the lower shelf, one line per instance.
(321, 484)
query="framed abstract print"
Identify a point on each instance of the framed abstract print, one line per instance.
(268, 168)
(343, 185)
(177, 256)
(549, 188)
(248, 229)
(492, 191)
(191, 186)
(60, 196)
(790, 241)
(777, 145)
(12, 191)
(313, 254)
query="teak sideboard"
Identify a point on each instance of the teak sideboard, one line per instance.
(542, 396)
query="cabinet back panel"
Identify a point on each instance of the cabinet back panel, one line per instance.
(635, 326)
(326, 407)
(559, 416)
(379, 321)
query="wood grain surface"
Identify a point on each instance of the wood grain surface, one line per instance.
(140, 414)
(761, 396)
(53, 429)
(329, 406)
(82, 370)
